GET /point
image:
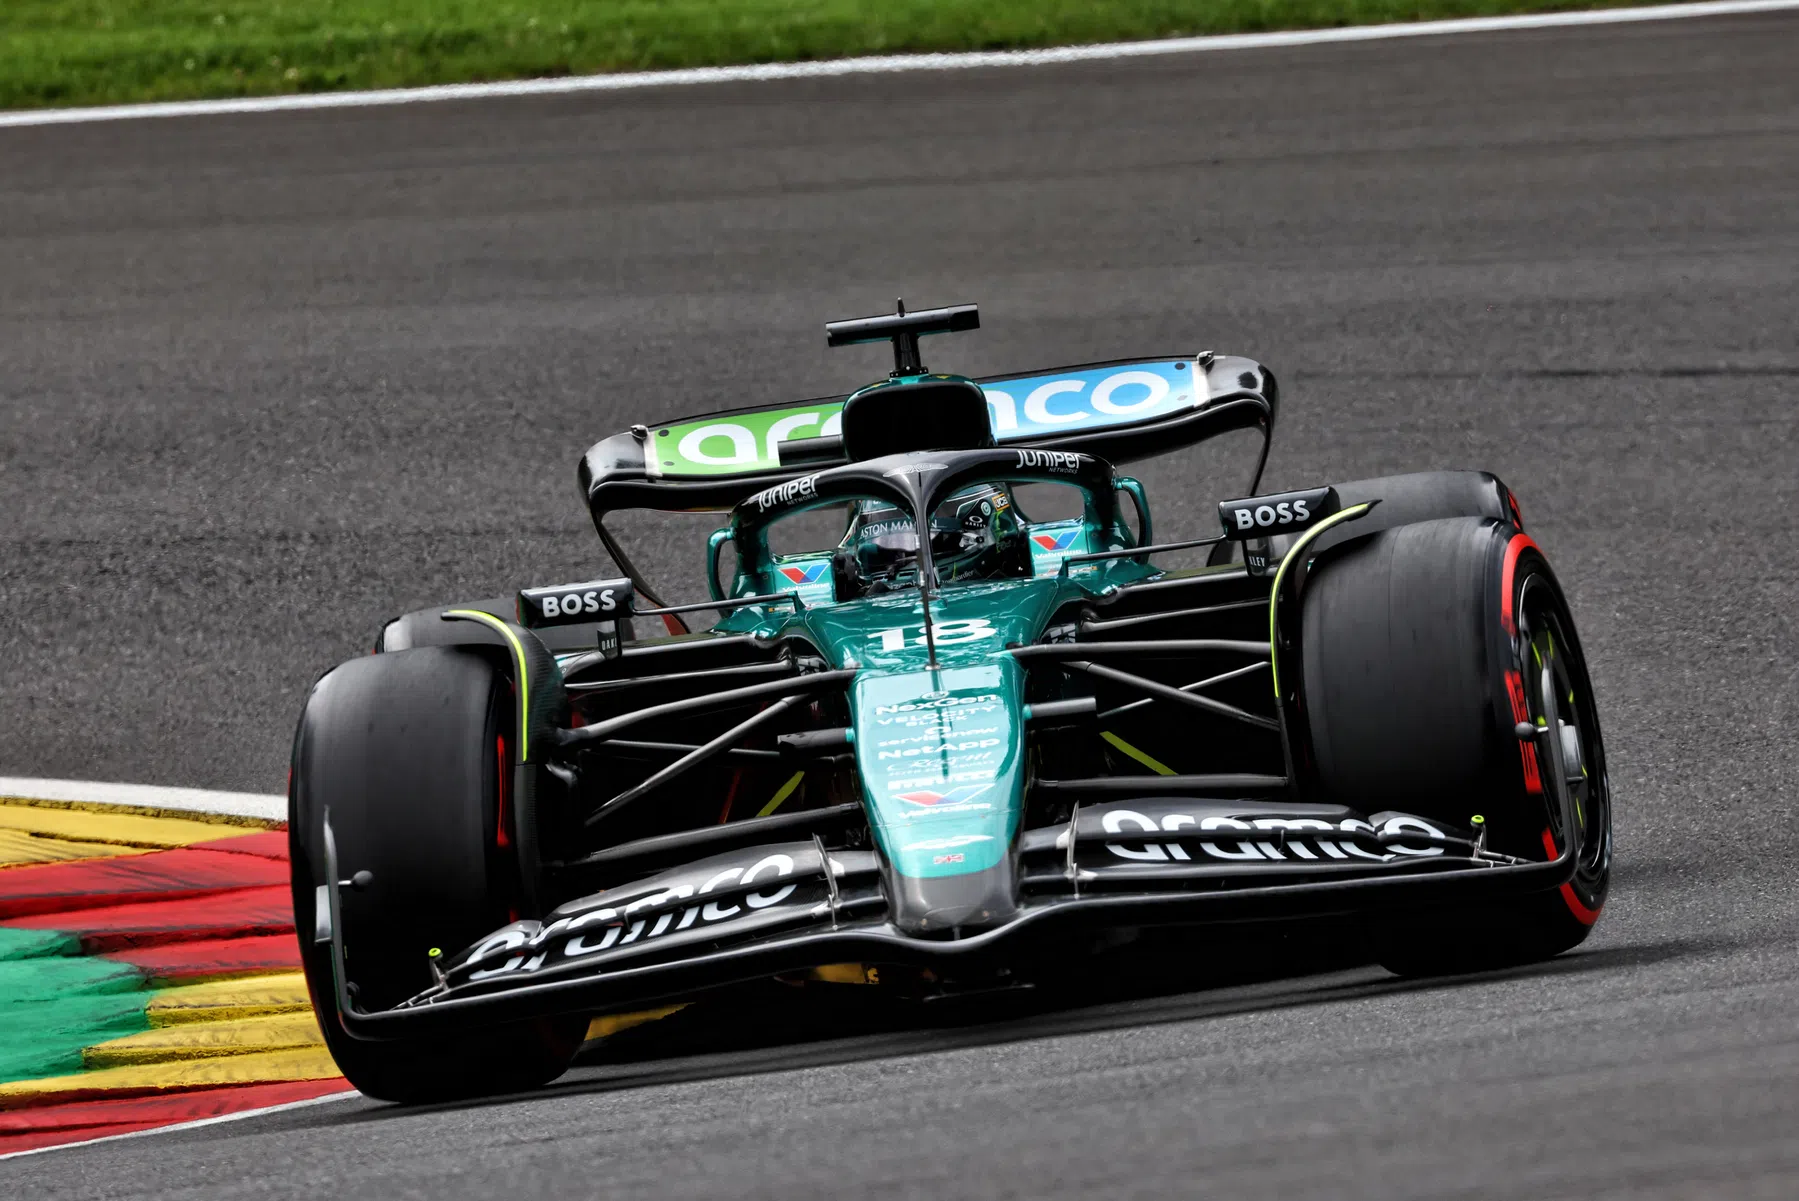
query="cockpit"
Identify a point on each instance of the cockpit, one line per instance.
(976, 534)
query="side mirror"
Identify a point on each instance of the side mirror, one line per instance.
(1140, 501)
(714, 544)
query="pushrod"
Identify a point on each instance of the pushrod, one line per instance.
(1220, 678)
(693, 758)
(1170, 693)
(602, 730)
(1171, 646)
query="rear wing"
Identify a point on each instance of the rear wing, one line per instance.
(1119, 411)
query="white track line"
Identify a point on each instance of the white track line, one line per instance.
(193, 1125)
(887, 63)
(145, 796)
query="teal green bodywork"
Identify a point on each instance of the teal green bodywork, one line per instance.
(940, 751)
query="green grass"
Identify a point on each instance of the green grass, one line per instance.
(65, 52)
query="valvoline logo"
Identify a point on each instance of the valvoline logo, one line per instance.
(1060, 540)
(806, 573)
(955, 796)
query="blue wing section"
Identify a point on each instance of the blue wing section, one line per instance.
(1029, 407)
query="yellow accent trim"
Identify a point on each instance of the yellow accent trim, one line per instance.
(1155, 765)
(303, 1063)
(612, 1023)
(1280, 578)
(524, 674)
(786, 791)
(842, 973)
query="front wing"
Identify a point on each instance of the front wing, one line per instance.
(788, 907)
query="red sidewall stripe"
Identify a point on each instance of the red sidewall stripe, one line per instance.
(1514, 681)
(1582, 914)
(1513, 549)
(1517, 546)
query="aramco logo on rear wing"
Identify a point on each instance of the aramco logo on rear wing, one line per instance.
(1027, 407)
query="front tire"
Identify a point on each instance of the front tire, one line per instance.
(1423, 648)
(408, 753)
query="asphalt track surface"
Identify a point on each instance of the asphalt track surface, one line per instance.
(267, 380)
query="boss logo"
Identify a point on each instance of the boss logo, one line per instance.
(563, 604)
(1266, 515)
(574, 604)
(1263, 516)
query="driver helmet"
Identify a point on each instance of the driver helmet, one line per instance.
(975, 534)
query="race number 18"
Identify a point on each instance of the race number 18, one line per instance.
(947, 633)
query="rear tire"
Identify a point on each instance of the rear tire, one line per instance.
(409, 752)
(1423, 647)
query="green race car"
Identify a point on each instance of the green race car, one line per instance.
(974, 734)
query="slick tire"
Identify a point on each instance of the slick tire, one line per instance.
(1423, 647)
(407, 753)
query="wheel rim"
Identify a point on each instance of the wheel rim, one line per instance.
(1572, 758)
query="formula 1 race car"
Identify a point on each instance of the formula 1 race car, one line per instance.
(964, 740)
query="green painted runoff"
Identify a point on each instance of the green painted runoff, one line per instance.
(54, 1002)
